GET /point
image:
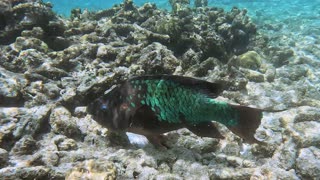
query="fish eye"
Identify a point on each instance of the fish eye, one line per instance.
(104, 107)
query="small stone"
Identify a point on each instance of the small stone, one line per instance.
(250, 60)
(80, 111)
(231, 173)
(67, 145)
(68, 94)
(164, 168)
(254, 76)
(93, 169)
(37, 172)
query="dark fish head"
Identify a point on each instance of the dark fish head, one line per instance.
(104, 110)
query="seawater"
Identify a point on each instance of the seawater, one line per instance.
(275, 8)
(63, 7)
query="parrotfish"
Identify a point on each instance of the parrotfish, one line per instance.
(155, 104)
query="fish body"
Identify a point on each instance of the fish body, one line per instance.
(153, 105)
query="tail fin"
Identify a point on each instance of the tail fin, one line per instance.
(249, 121)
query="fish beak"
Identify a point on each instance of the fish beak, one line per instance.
(90, 109)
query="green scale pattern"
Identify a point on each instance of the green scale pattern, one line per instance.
(171, 101)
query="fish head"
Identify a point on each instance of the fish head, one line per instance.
(105, 110)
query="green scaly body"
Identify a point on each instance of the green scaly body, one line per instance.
(175, 103)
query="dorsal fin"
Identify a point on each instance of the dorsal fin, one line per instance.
(210, 89)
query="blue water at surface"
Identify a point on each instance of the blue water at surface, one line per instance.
(63, 7)
(280, 7)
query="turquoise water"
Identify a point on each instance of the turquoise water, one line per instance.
(274, 8)
(63, 7)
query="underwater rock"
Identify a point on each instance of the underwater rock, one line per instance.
(107, 53)
(250, 60)
(25, 16)
(274, 172)
(4, 157)
(49, 158)
(231, 173)
(157, 59)
(63, 123)
(286, 154)
(179, 5)
(203, 145)
(28, 59)
(93, 169)
(254, 76)
(36, 32)
(39, 93)
(200, 70)
(36, 172)
(164, 176)
(308, 133)
(292, 72)
(189, 29)
(269, 71)
(308, 114)
(189, 58)
(195, 170)
(26, 145)
(65, 144)
(67, 59)
(32, 120)
(18, 122)
(308, 162)
(11, 88)
(5, 6)
(280, 56)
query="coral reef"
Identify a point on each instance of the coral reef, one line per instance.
(51, 68)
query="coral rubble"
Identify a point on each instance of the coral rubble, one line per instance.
(51, 67)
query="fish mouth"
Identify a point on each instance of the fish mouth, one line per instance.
(90, 109)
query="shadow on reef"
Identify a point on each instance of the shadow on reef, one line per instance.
(177, 147)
